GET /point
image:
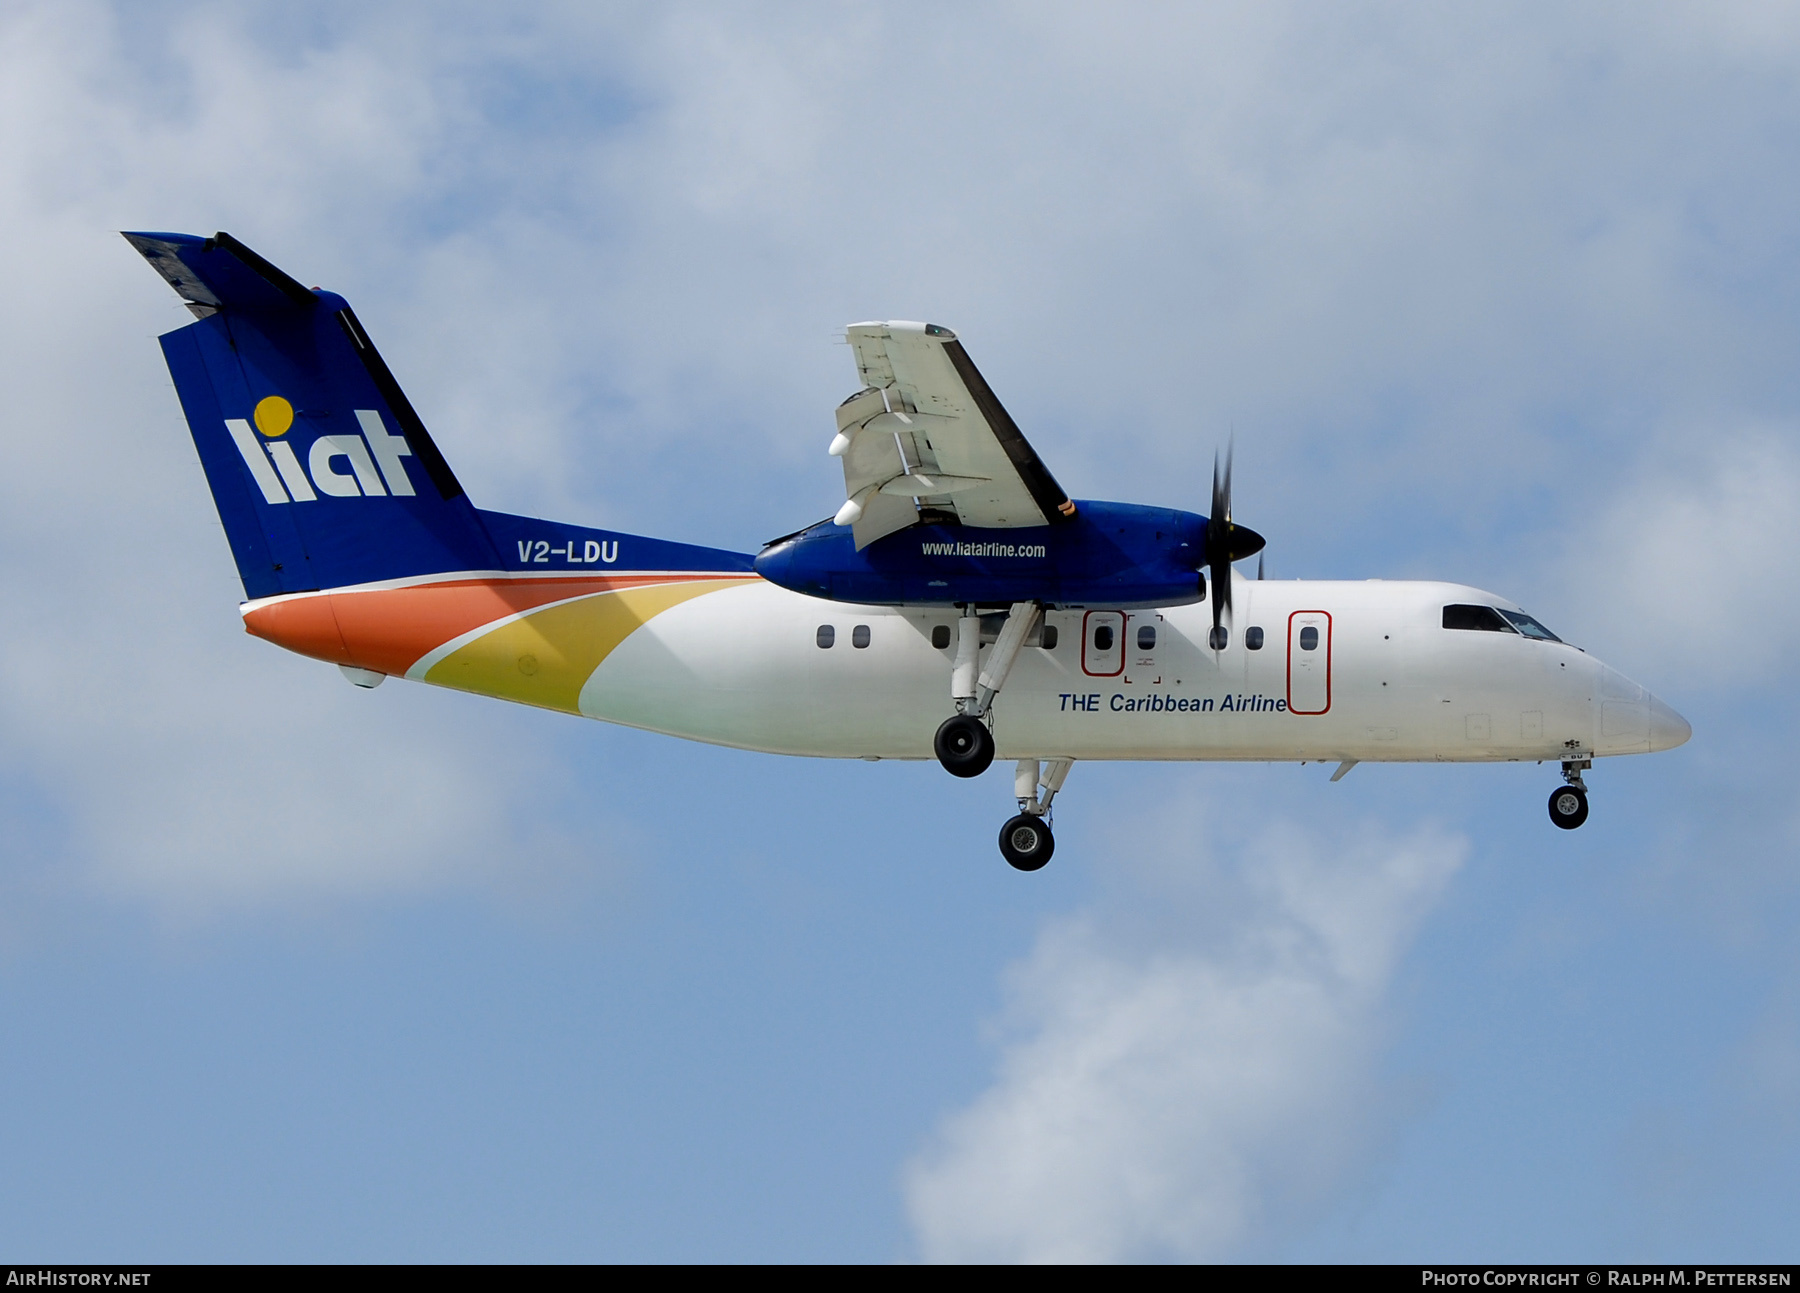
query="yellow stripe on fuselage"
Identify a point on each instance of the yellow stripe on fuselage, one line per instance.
(545, 658)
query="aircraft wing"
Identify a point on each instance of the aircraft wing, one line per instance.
(926, 431)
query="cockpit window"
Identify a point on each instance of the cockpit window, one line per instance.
(1529, 627)
(1483, 618)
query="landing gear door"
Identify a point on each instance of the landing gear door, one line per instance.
(1103, 644)
(1309, 662)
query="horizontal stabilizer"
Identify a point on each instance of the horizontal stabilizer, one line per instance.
(219, 273)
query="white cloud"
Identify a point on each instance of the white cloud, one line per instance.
(1172, 1090)
(1686, 575)
(171, 758)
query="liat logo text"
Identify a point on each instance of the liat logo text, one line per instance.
(344, 466)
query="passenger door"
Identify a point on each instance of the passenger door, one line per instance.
(1309, 662)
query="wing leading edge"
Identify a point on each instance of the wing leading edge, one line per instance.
(927, 432)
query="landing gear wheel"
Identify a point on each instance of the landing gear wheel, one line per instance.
(1026, 842)
(1568, 806)
(964, 746)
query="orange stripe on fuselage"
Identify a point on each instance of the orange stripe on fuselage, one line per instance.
(389, 629)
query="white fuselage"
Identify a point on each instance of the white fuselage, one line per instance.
(1384, 681)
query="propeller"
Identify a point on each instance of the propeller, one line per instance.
(1225, 543)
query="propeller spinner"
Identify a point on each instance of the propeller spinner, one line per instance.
(1225, 543)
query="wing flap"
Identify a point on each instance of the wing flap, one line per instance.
(927, 412)
(882, 515)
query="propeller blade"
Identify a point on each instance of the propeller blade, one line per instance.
(1226, 542)
(1218, 528)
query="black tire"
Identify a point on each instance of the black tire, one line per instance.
(1568, 806)
(964, 746)
(1026, 842)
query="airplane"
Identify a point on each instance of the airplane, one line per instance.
(960, 605)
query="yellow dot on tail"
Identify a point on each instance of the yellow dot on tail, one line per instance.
(274, 416)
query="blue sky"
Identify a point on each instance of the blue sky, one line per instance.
(292, 971)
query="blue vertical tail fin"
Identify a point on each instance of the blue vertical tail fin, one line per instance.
(323, 473)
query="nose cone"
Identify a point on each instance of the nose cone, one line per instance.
(1667, 728)
(1632, 721)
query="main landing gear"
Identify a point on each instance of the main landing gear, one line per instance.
(1569, 803)
(1026, 841)
(965, 743)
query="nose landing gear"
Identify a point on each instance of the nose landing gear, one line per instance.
(1569, 803)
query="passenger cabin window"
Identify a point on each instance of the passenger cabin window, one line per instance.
(1049, 637)
(859, 636)
(940, 636)
(1253, 638)
(1484, 619)
(1529, 627)
(1309, 638)
(1147, 637)
(826, 636)
(1218, 638)
(1103, 637)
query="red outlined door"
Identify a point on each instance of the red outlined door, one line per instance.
(1309, 662)
(1103, 644)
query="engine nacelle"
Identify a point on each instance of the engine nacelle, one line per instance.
(1110, 554)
